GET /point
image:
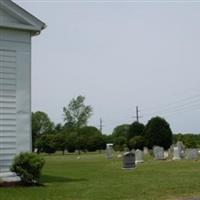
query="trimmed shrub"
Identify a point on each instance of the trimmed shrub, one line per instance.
(28, 167)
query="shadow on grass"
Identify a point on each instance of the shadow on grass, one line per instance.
(58, 179)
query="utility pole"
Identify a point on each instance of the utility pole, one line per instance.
(137, 114)
(101, 125)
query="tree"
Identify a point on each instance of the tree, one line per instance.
(81, 143)
(121, 131)
(108, 138)
(158, 132)
(47, 143)
(41, 124)
(71, 142)
(61, 142)
(88, 131)
(189, 140)
(58, 128)
(77, 113)
(135, 129)
(120, 143)
(96, 142)
(137, 142)
(87, 138)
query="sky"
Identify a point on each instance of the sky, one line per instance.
(119, 55)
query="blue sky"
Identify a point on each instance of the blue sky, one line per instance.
(118, 55)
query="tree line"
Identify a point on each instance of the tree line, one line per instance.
(75, 135)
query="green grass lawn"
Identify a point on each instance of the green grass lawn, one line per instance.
(92, 177)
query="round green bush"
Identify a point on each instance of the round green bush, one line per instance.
(28, 167)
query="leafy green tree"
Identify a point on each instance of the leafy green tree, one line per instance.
(71, 142)
(87, 137)
(96, 142)
(108, 138)
(68, 127)
(47, 143)
(158, 132)
(61, 142)
(121, 131)
(137, 142)
(41, 124)
(88, 131)
(81, 143)
(120, 143)
(135, 129)
(77, 113)
(189, 140)
(58, 128)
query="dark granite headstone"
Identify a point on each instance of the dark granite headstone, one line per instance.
(129, 160)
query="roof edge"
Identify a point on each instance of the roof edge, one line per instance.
(20, 13)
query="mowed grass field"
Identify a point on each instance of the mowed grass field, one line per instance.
(93, 177)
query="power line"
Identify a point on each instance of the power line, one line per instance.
(169, 109)
(183, 109)
(177, 110)
(185, 101)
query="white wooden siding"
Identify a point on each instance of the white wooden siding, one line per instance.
(7, 108)
(15, 95)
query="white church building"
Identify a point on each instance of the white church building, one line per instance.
(17, 27)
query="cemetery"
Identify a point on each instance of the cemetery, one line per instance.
(93, 176)
(74, 161)
(136, 174)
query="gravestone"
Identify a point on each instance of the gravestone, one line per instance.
(166, 154)
(170, 153)
(133, 150)
(181, 149)
(119, 156)
(176, 153)
(109, 151)
(129, 160)
(158, 153)
(171, 150)
(192, 154)
(139, 156)
(145, 150)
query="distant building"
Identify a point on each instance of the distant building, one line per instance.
(17, 26)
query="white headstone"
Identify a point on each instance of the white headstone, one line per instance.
(166, 154)
(158, 153)
(176, 154)
(192, 154)
(181, 149)
(109, 151)
(145, 150)
(119, 156)
(139, 156)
